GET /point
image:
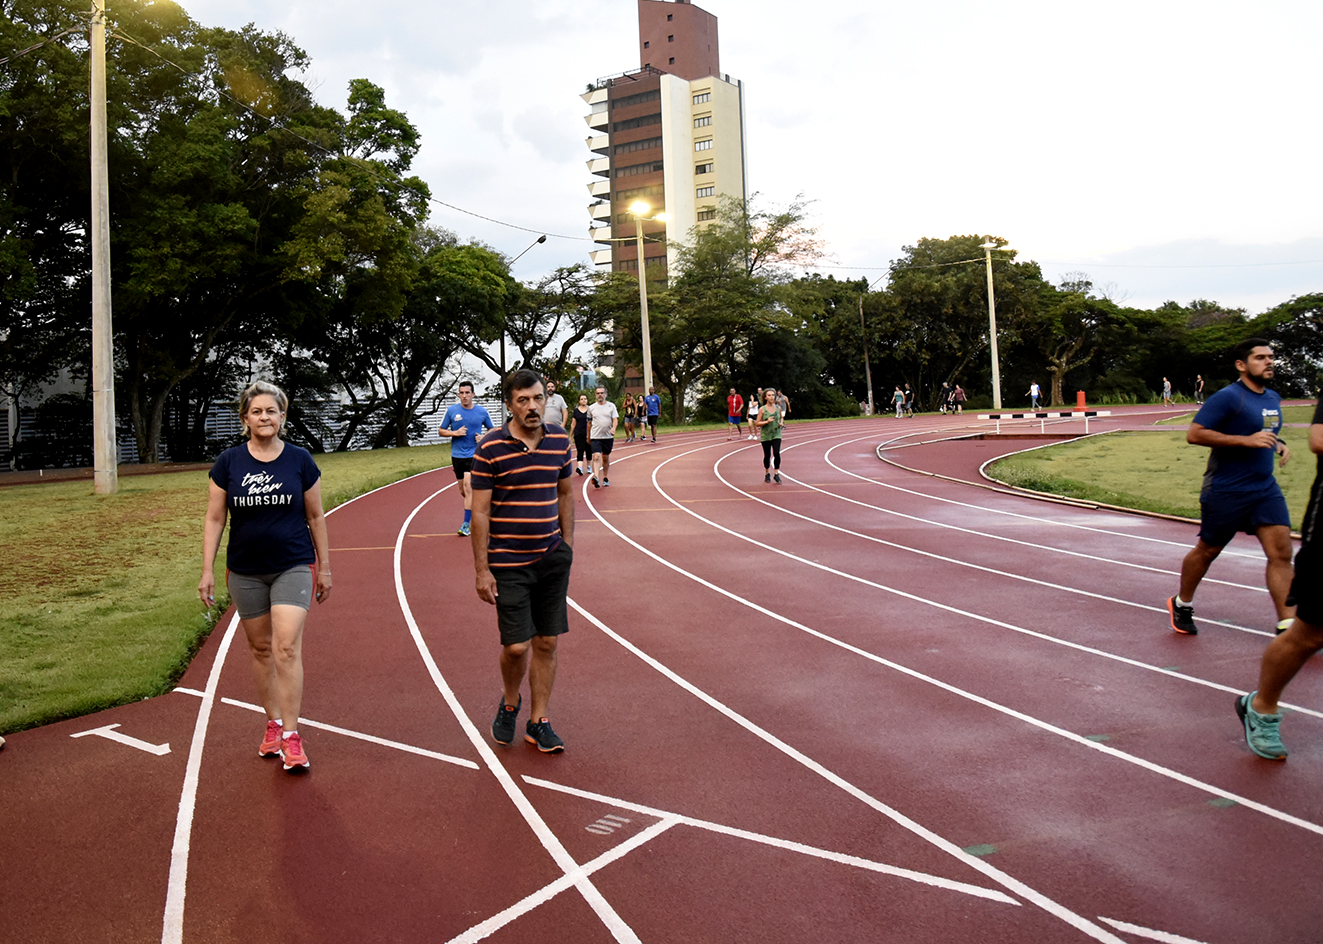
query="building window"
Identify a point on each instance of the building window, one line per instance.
(706, 192)
(702, 97)
(669, 17)
(636, 99)
(703, 168)
(670, 39)
(672, 62)
(703, 145)
(633, 169)
(643, 145)
(646, 44)
(703, 122)
(629, 123)
(709, 213)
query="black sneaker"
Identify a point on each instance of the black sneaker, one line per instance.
(1182, 618)
(540, 733)
(606, 483)
(503, 728)
(595, 485)
(767, 477)
(777, 478)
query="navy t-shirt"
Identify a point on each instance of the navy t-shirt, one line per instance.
(268, 525)
(1239, 411)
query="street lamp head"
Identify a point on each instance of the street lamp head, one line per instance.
(639, 208)
(661, 217)
(988, 245)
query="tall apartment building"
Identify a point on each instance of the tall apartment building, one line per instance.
(670, 133)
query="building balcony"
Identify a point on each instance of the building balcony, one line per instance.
(593, 96)
(598, 119)
(600, 188)
(601, 166)
(600, 256)
(600, 234)
(599, 143)
(600, 211)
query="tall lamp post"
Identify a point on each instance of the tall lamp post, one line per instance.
(987, 248)
(105, 471)
(863, 328)
(538, 241)
(640, 209)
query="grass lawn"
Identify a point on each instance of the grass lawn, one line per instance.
(98, 595)
(1153, 471)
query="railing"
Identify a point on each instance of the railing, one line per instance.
(607, 81)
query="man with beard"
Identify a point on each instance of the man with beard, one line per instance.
(1240, 423)
(521, 483)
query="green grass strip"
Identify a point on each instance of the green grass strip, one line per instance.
(98, 594)
(1154, 471)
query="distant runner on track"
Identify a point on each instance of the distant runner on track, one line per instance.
(653, 404)
(1240, 423)
(277, 560)
(769, 423)
(463, 424)
(521, 484)
(1287, 654)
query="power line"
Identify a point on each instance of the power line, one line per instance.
(366, 166)
(33, 48)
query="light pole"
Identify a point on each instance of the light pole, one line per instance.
(987, 248)
(105, 471)
(868, 371)
(540, 239)
(640, 209)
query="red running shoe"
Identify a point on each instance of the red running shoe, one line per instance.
(291, 749)
(270, 741)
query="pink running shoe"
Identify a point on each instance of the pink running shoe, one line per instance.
(271, 741)
(291, 749)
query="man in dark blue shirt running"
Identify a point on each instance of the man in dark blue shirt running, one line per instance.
(1240, 423)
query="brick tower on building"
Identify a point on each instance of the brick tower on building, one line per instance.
(669, 133)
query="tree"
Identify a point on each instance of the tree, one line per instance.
(1070, 328)
(723, 292)
(933, 316)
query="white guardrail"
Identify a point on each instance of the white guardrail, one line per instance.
(1044, 415)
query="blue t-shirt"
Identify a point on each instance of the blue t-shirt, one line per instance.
(654, 404)
(1239, 411)
(268, 524)
(476, 419)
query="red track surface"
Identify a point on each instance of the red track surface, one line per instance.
(864, 705)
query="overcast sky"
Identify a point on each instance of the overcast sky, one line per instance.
(1168, 149)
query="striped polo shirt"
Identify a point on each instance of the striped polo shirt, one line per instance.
(525, 523)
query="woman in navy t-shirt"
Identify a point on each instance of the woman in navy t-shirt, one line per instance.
(277, 560)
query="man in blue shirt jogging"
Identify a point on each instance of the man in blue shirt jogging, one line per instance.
(1240, 423)
(653, 403)
(464, 423)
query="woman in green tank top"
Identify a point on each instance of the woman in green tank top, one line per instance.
(769, 423)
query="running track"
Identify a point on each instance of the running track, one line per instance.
(866, 705)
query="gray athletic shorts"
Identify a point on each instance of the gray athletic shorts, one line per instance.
(255, 594)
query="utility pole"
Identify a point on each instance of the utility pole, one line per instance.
(104, 454)
(987, 248)
(868, 373)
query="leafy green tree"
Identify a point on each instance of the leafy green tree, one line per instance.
(1296, 330)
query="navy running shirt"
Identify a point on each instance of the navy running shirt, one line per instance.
(1237, 410)
(268, 525)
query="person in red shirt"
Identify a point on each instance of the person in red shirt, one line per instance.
(735, 414)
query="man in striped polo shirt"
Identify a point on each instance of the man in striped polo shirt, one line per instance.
(523, 535)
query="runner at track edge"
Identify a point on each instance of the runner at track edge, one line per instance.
(521, 480)
(1240, 423)
(1289, 652)
(463, 424)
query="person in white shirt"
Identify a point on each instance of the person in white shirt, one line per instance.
(603, 418)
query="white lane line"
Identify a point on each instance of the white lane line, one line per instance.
(564, 883)
(946, 686)
(595, 899)
(1165, 937)
(1009, 540)
(110, 734)
(1033, 518)
(1010, 575)
(370, 738)
(990, 871)
(172, 928)
(923, 878)
(1022, 630)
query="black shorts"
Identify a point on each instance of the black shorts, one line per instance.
(601, 446)
(530, 600)
(1223, 516)
(461, 466)
(652, 420)
(1307, 587)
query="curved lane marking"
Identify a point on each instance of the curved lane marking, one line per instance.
(946, 686)
(573, 871)
(172, 922)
